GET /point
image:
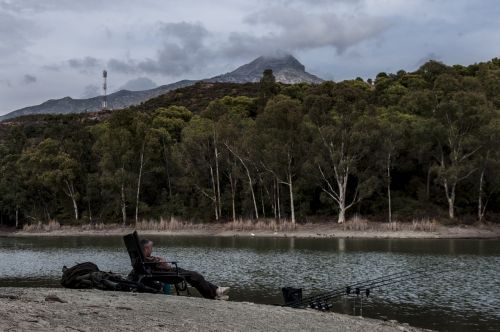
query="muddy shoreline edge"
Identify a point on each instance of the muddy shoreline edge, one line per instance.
(323, 230)
(49, 309)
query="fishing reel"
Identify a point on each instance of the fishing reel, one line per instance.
(357, 291)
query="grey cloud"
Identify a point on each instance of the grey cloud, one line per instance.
(138, 84)
(85, 64)
(121, 66)
(183, 50)
(28, 79)
(91, 91)
(297, 30)
(37, 6)
(6, 82)
(52, 67)
(15, 33)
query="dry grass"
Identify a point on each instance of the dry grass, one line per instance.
(417, 225)
(356, 223)
(173, 224)
(52, 225)
(261, 225)
(95, 227)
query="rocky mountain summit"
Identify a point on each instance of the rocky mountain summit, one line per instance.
(286, 69)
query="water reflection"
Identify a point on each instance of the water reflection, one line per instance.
(464, 299)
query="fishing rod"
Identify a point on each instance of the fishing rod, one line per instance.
(323, 303)
(351, 286)
(365, 285)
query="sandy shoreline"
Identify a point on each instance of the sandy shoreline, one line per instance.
(54, 309)
(302, 231)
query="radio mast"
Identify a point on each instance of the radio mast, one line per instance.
(104, 89)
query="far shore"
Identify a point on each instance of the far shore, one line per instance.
(309, 230)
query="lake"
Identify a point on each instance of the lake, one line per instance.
(466, 298)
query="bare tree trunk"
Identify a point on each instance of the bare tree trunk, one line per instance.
(214, 190)
(250, 182)
(216, 153)
(141, 166)
(450, 197)
(275, 210)
(389, 186)
(480, 210)
(75, 207)
(167, 169)
(72, 195)
(90, 211)
(342, 188)
(292, 207)
(17, 217)
(123, 204)
(232, 183)
(262, 202)
(278, 203)
(341, 218)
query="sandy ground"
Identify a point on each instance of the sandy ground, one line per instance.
(322, 230)
(44, 309)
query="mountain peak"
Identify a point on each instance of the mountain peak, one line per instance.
(286, 68)
(276, 63)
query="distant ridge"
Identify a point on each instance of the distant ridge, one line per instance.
(286, 68)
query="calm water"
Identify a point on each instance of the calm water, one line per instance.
(465, 299)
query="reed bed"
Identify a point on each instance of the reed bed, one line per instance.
(35, 227)
(356, 223)
(172, 224)
(417, 225)
(260, 225)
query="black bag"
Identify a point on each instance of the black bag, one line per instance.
(78, 276)
(87, 275)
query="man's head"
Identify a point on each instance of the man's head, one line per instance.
(147, 247)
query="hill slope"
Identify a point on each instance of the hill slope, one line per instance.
(286, 69)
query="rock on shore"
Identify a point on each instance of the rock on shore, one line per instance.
(54, 309)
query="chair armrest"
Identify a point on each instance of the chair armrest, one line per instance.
(176, 267)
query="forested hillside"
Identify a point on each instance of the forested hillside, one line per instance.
(424, 144)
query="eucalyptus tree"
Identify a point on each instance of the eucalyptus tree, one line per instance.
(394, 129)
(167, 125)
(282, 140)
(199, 158)
(344, 138)
(47, 166)
(114, 148)
(488, 160)
(458, 116)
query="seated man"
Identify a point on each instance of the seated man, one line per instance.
(206, 289)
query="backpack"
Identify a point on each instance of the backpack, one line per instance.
(78, 276)
(87, 275)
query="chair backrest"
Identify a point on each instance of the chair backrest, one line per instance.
(135, 252)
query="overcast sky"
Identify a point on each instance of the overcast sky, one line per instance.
(55, 48)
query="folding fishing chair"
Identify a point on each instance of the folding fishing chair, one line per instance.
(143, 271)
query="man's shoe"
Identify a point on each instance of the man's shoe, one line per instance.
(222, 297)
(221, 291)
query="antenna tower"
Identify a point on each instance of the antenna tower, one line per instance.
(104, 89)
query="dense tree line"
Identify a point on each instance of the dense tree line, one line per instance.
(403, 146)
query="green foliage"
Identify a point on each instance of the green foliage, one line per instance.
(428, 139)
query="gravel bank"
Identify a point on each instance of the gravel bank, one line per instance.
(46, 309)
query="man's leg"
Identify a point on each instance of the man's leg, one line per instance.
(206, 289)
